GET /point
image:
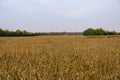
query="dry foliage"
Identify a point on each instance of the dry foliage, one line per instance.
(59, 58)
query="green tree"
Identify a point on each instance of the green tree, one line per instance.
(89, 31)
(99, 32)
(111, 33)
(6, 33)
(0, 30)
(19, 32)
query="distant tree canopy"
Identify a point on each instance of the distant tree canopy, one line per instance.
(99, 31)
(89, 31)
(17, 33)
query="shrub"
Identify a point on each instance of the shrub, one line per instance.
(98, 31)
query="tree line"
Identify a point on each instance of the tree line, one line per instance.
(99, 31)
(89, 31)
(20, 33)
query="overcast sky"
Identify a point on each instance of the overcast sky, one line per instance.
(59, 15)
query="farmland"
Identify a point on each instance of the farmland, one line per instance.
(60, 58)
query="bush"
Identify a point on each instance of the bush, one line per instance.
(89, 31)
(98, 31)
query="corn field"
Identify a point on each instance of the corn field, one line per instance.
(60, 58)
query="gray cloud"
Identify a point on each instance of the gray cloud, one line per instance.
(59, 15)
